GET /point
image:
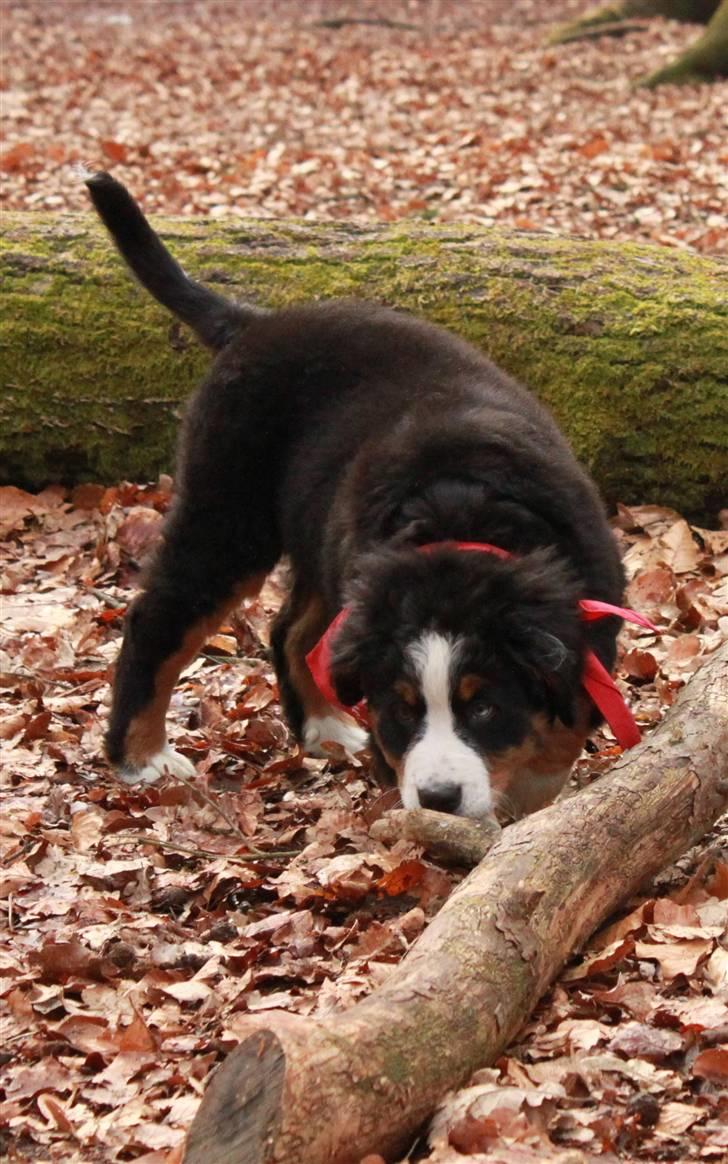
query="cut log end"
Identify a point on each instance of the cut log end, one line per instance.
(241, 1113)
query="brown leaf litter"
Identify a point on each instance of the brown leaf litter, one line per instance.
(143, 923)
(466, 114)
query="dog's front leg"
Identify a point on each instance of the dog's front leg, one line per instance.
(314, 722)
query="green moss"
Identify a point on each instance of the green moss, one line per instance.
(397, 1068)
(627, 343)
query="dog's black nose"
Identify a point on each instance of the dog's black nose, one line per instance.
(441, 797)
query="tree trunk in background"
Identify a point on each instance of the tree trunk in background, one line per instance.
(705, 60)
(689, 11)
(627, 343)
(306, 1090)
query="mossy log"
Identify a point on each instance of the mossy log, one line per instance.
(704, 60)
(328, 1091)
(627, 343)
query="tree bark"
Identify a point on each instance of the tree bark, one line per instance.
(302, 1091)
(704, 60)
(627, 343)
(611, 16)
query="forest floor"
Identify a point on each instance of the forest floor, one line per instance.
(226, 107)
(140, 926)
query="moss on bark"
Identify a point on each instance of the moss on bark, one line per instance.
(627, 343)
(704, 60)
(610, 16)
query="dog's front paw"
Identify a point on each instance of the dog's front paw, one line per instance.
(331, 729)
(167, 762)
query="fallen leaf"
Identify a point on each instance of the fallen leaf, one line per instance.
(675, 958)
(638, 1040)
(712, 1064)
(676, 1118)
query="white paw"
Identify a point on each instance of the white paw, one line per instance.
(331, 729)
(165, 763)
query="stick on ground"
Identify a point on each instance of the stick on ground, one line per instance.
(452, 840)
(301, 1091)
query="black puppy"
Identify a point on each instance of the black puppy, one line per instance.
(407, 477)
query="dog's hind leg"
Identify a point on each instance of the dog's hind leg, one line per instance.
(315, 722)
(206, 565)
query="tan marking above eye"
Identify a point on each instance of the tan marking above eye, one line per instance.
(469, 686)
(407, 692)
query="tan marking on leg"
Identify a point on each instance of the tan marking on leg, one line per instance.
(322, 722)
(146, 734)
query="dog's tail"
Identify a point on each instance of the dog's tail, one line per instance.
(214, 318)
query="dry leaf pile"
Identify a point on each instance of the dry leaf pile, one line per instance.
(223, 107)
(140, 924)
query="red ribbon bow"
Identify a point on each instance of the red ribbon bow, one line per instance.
(595, 679)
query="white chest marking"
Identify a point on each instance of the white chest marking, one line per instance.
(440, 757)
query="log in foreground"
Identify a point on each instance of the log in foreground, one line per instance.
(301, 1091)
(627, 343)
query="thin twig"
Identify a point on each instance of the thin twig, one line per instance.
(337, 22)
(107, 599)
(148, 839)
(248, 659)
(214, 804)
(595, 31)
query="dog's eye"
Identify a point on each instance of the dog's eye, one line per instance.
(405, 713)
(480, 711)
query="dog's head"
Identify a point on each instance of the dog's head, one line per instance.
(462, 658)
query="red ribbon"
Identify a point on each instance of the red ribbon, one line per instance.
(319, 664)
(596, 680)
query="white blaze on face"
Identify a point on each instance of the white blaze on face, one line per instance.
(440, 758)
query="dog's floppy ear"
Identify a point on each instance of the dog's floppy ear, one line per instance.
(553, 669)
(560, 673)
(544, 631)
(373, 612)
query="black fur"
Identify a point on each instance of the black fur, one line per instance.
(517, 624)
(344, 435)
(213, 318)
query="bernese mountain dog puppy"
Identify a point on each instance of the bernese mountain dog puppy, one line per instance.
(429, 508)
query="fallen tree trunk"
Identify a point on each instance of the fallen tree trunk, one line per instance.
(301, 1091)
(627, 343)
